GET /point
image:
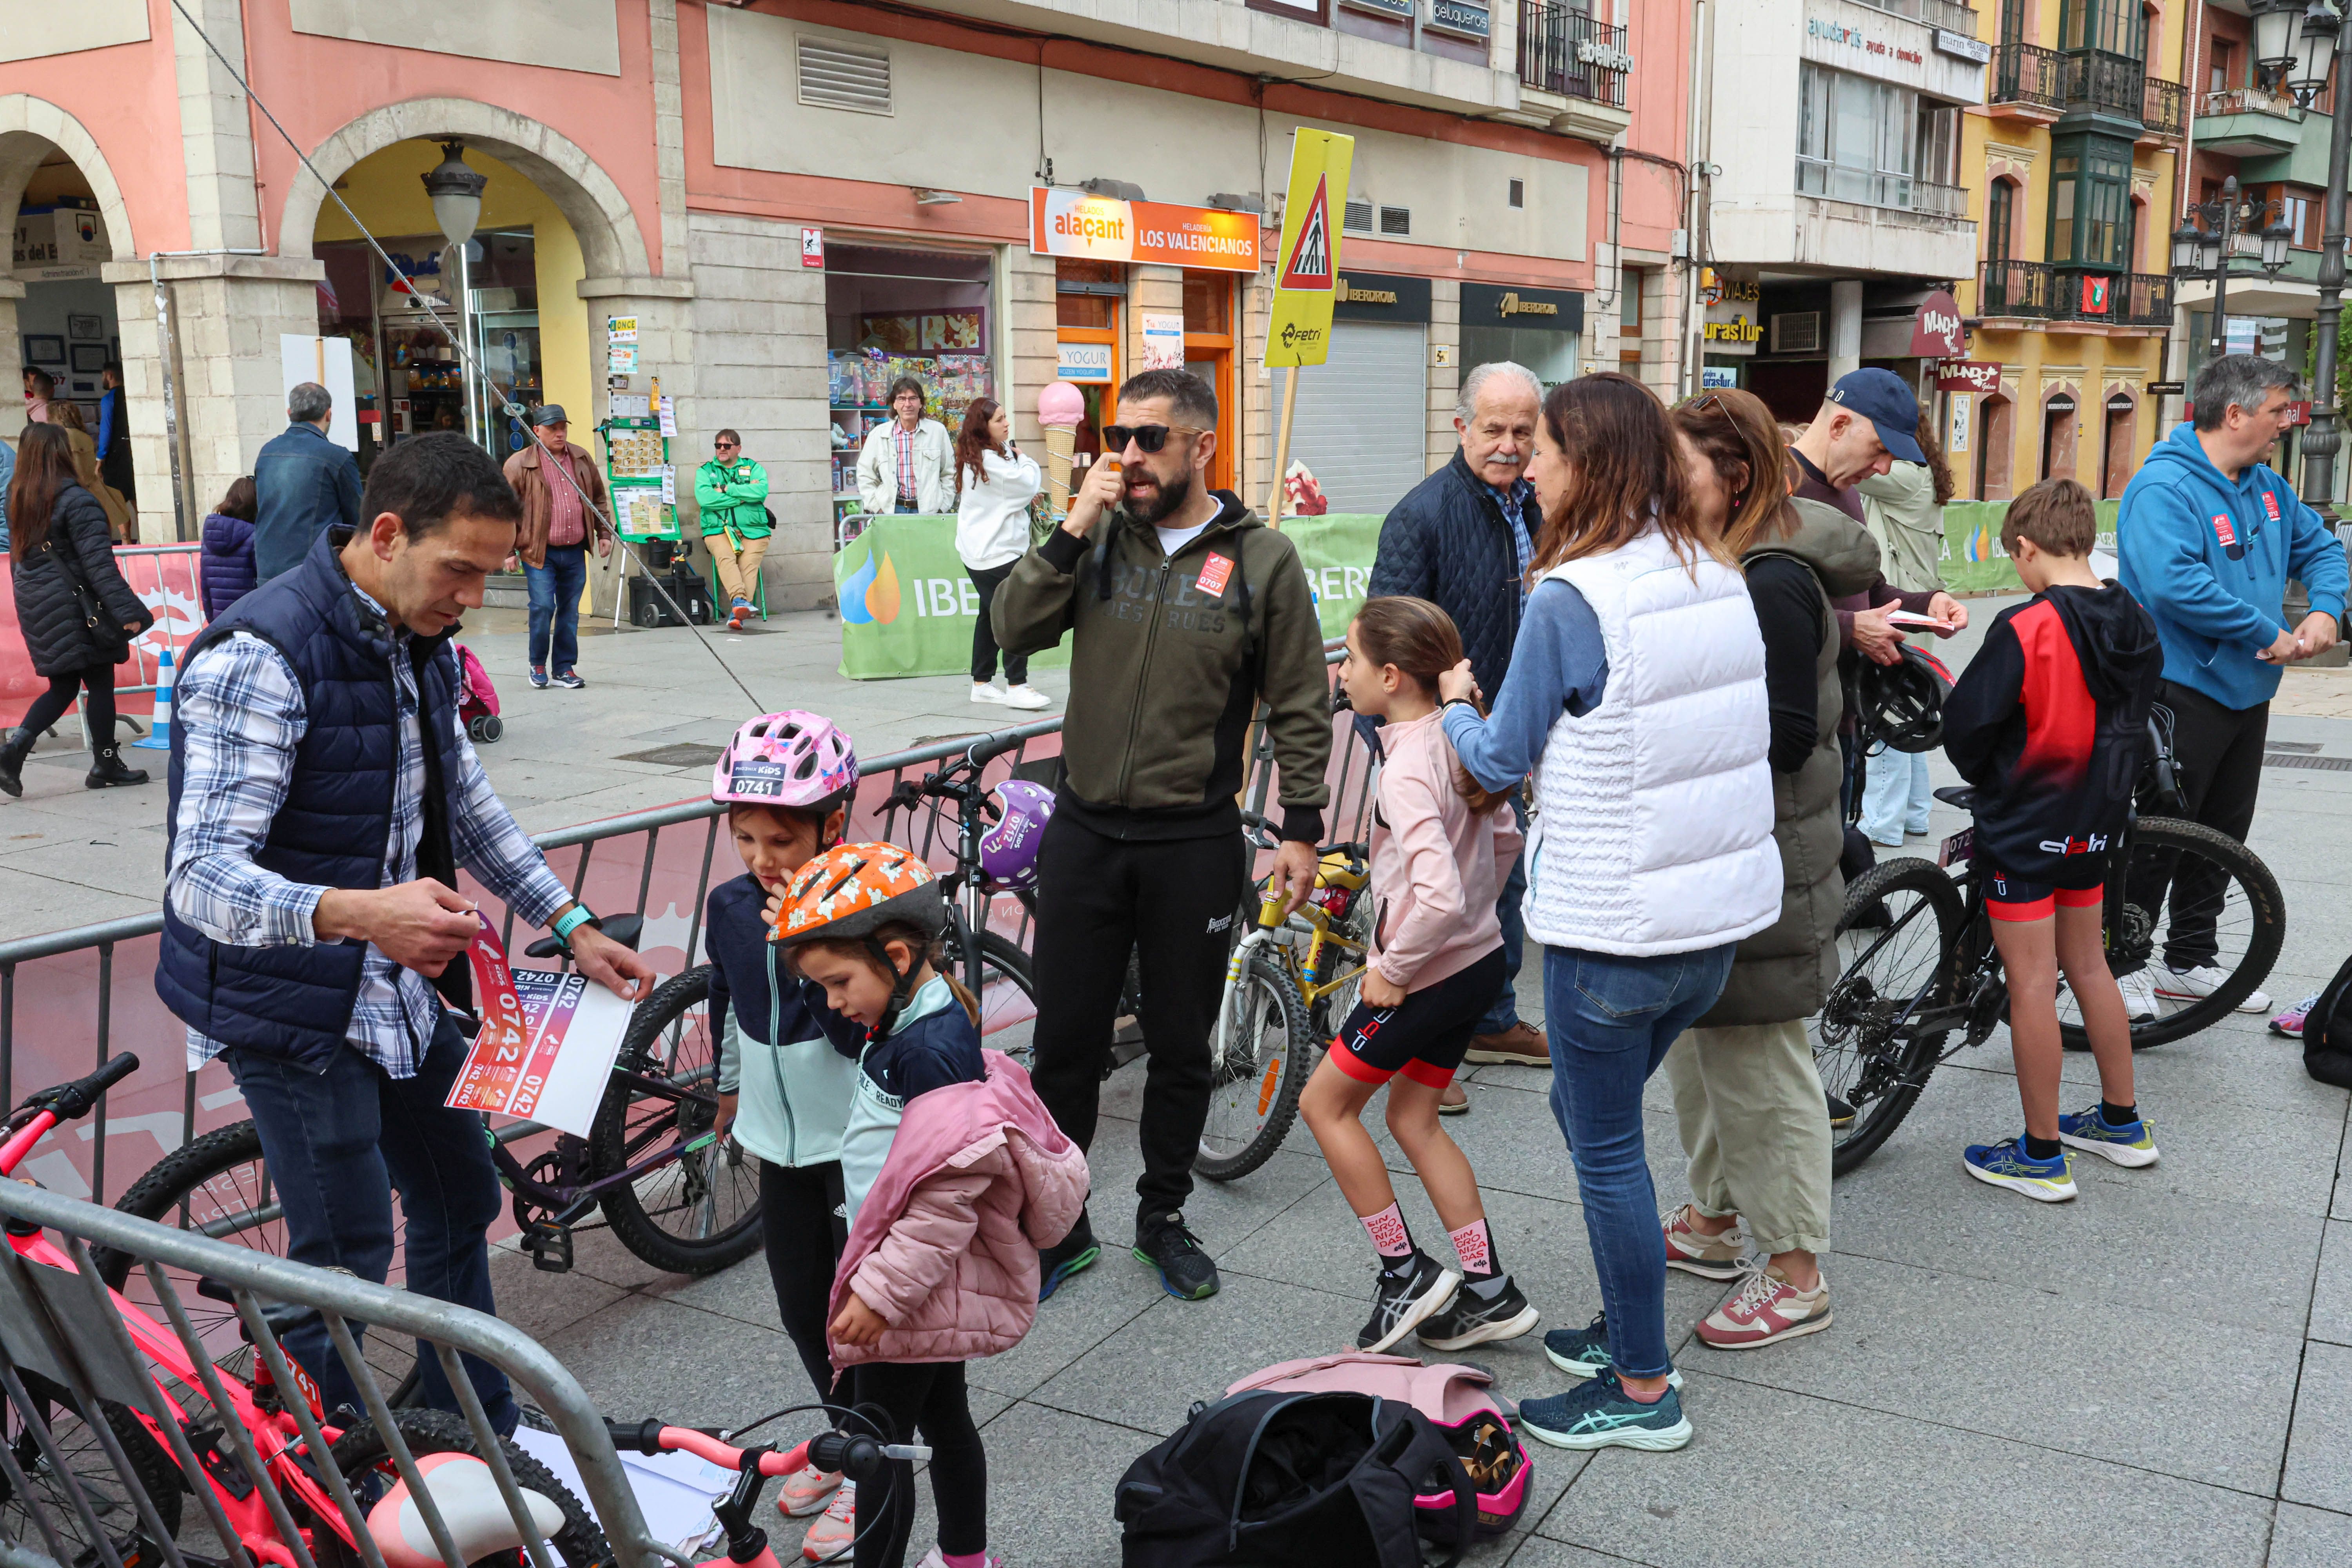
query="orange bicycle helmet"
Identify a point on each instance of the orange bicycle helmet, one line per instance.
(850, 892)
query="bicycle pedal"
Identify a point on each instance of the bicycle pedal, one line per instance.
(549, 1246)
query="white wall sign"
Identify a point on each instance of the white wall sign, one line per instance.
(1717, 377)
(328, 362)
(1082, 362)
(812, 247)
(1164, 341)
(1958, 441)
(1464, 19)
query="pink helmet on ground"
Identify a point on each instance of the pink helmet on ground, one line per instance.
(1008, 851)
(790, 759)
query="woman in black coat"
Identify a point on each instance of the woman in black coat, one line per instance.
(76, 613)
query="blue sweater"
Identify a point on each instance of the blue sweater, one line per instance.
(1559, 665)
(2209, 560)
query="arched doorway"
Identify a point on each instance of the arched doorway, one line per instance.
(1996, 440)
(2059, 428)
(2115, 449)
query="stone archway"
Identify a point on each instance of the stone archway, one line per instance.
(30, 129)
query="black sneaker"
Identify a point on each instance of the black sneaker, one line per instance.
(1473, 1319)
(1401, 1302)
(1077, 1251)
(1841, 1115)
(1185, 1272)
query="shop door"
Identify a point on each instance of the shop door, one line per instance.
(2058, 438)
(1086, 301)
(1995, 438)
(1209, 355)
(2116, 458)
(1362, 425)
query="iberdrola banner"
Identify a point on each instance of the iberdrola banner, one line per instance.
(1974, 561)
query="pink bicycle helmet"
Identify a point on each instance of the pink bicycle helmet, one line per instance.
(791, 758)
(1008, 851)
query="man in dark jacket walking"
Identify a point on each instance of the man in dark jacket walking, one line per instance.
(305, 485)
(1462, 540)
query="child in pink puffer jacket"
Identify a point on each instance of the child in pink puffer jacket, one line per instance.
(953, 1175)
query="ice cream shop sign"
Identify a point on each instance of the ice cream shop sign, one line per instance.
(1084, 226)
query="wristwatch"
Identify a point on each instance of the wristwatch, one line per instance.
(572, 919)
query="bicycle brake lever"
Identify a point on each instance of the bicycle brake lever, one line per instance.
(914, 1453)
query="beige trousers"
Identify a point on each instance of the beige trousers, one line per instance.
(1756, 1131)
(739, 570)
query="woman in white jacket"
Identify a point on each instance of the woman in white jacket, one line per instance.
(994, 485)
(907, 465)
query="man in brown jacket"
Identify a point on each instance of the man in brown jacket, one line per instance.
(558, 516)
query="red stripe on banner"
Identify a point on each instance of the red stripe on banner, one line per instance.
(495, 1065)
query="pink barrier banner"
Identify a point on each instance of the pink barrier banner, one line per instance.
(165, 576)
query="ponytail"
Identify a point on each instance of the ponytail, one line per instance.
(1422, 642)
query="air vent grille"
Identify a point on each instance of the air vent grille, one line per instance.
(1358, 218)
(834, 74)
(1797, 332)
(1396, 220)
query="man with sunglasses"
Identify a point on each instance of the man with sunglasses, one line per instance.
(1183, 612)
(732, 491)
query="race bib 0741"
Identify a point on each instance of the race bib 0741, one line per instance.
(759, 778)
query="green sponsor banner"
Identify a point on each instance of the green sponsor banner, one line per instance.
(1974, 561)
(907, 605)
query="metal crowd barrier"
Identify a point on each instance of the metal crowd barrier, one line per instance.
(670, 870)
(63, 1334)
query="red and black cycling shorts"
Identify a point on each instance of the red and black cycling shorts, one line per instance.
(1425, 1035)
(2009, 897)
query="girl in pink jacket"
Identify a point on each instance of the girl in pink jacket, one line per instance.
(953, 1175)
(1439, 852)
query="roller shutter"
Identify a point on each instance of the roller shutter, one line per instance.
(1363, 417)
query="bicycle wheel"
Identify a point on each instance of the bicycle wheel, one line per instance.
(81, 1453)
(698, 1211)
(1268, 1048)
(1331, 1008)
(219, 1184)
(361, 1454)
(1008, 996)
(1897, 939)
(2184, 880)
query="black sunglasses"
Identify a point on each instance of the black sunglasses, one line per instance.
(1149, 438)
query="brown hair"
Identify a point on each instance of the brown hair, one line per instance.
(924, 945)
(1734, 433)
(2058, 515)
(1611, 431)
(788, 813)
(905, 383)
(972, 442)
(65, 411)
(45, 467)
(242, 500)
(1937, 469)
(1423, 643)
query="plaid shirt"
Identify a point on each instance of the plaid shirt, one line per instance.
(1513, 502)
(242, 716)
(902, 443)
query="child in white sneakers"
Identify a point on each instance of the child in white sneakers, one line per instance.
(1439, 852)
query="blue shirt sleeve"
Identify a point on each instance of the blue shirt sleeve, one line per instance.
(1559, 663)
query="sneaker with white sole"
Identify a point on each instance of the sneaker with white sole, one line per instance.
(2007, 1164)
(1584, 1352)
(806, 1491)
(2139, 995)
(1693, 1251)
(986, 691)
(1027, 697)
(836, 1527)
(1601, 1414)
(2290, 1023)
(2201, 981)
(1402, 1302)
(1766, 1311)
(1481, 1312)
(2132, 1144)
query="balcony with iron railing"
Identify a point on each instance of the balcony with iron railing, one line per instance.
(1878, 188)
(2164, 109)
(2032, 82)
(2248, 122)
(1567, 52)
(1950, 15)
(2103, 83)
(2039, 291)
(2029, 75)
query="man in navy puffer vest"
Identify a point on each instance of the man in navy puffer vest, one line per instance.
(323, 795)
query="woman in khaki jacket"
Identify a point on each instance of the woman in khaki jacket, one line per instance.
(67, 416)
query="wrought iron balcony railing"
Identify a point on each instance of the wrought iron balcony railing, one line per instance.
(2039, 291)
(1568, 53)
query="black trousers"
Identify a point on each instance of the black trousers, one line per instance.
(1172, 902)
(926, 1397)
(50, 706)
(2219, 751)
(806, 1227)
(987, 580)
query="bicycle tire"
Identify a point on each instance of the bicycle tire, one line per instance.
(365, 1461)
(2267, 931)
(715, 1189)
(190, 1174)
(158, 1474)
(1882, 1075)
(1273, 1080)
(1011, 1015)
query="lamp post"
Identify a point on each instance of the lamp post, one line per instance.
(456, 193)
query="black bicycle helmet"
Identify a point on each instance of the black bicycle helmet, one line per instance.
(1901, 705)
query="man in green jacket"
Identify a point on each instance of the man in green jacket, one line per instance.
(732, 491)
(1183, 611)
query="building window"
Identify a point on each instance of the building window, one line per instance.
(2298, 204)
(1629, 321)
(2223, 54)
(1296, 10)
(2115, 27)
(2090, 201)
(2000, 205)
(1874, 143)
(1518, 193)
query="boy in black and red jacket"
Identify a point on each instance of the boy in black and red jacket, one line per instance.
(2049, 724)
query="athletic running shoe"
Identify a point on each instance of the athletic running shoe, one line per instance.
(1075, 1252)
(806, 1491)
(1766, 1311)
(1474, 1319)
(1026, 697)
(2007, 1164)
(937, 1557)
(1401, 1302)
(1185, 1272)
(2202, 981)
(986, 691)
(2133, 1144)
(539, 677)
(836, 1527)
(569, 679)
(2139, 995)
(2290, 1023)
(1584, 1352)
(1601, 1414)
(1693, 1251)
(742, 610)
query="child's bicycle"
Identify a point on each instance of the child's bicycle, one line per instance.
(1919, 965)
(1289, 986)
(674, 1194)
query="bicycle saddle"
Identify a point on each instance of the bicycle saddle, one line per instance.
(623, 928)
(1964, 796)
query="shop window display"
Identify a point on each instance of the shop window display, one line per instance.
(891, 313)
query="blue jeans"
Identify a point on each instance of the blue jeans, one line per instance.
(1505, 1013)
(339, 1143)
(1894, 797)
(1611, 1021)
(556, 591)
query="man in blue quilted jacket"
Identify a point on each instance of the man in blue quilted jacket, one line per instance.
(1461, 539)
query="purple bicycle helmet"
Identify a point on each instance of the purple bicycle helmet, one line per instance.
(1008, 851)
(791, 759)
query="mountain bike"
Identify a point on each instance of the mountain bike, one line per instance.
(1918, 964)
(1289, 986)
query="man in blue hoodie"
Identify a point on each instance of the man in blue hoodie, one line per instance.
(2208, 537)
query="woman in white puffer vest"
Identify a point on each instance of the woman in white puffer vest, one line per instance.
(1636, 694)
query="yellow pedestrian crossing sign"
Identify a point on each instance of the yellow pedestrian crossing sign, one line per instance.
(1300, 331)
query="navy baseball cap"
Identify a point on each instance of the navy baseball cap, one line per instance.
(1880, 396)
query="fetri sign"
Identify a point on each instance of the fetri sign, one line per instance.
(1084, 226)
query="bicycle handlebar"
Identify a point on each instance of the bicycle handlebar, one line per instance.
(861, 1459)
(70, 1101)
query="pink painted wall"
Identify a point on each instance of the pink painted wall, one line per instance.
(1658, 93)
(127, 98)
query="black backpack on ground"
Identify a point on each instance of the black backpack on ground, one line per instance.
(2327, 1032)
(1272, 1480)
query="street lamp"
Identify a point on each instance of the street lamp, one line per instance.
(2206, 242)
(2315, 52)
(456, 193)
(2278, 29)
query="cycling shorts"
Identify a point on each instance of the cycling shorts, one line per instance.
(2009, 897)
(1425, 1035)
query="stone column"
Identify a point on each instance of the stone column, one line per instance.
(1032, 314)
(1444, 380)
(1845, 326)
(11, 408)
